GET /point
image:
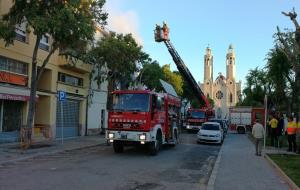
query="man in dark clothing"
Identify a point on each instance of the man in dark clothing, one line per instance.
(280, 130)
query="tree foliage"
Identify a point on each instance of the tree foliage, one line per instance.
(256, 88)
(150, 75)
(174, 78)
(281, 80)
(120, 56)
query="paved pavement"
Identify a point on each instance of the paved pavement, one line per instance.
(186, 166)
(11, 152)
(239, 168)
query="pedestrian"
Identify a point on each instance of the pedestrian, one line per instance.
(273, 123)
(298, 136)
(291, 133)
(280, 130)
(258, 134)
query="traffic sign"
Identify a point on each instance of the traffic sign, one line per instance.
(62, 95)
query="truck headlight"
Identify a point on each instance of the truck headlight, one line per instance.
(142, 137)
(188, 126)
(111, 135)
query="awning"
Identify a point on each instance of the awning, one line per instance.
(14, 97)
(14, 93)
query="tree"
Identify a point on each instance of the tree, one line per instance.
(174, 78)
(120, 56)
(289, 43)
(280, 76)
(256, 88)
(65, 21)
(150, 75)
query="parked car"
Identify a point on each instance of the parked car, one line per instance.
(210, 132)
(222, 122)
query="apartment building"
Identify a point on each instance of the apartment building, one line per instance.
(68, 119)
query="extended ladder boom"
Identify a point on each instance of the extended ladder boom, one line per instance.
(162, 34)
(187, 75)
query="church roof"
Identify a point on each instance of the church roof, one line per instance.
(221, 77)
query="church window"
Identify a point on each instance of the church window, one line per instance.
(230, 98)
(219, 95)
(207, 95)
(207, 83)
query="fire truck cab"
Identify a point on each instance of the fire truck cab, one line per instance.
(143, 117)
(196, 117)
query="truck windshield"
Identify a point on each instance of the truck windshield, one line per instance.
(131, 102)
(196, 115)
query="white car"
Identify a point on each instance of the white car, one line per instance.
(210, 132)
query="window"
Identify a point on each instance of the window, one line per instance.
(71, 80)
(44, 43)
(230, 98)
(13, 66)
(132, 102)
(21, 32)
(219, 95)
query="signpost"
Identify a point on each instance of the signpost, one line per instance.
(62, 95)
(265, 131)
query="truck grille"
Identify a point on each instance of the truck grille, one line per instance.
(121, 125)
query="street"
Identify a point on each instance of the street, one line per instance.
(187, 166)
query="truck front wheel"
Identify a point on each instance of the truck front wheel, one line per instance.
(118, 147)
(155, 146)
(241, 130)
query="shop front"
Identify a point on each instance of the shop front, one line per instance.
(11, 116)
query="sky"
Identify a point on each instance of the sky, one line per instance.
(195, 24)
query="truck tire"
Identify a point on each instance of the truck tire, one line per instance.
(118, 147)
(155, 145)
(175, 140)
(241, 130)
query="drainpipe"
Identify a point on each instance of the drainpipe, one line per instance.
(87, 108)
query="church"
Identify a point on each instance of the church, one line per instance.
(225, 91)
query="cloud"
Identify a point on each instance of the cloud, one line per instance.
(122, 21)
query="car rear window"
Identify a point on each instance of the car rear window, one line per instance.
(212, 127)
(218, 121)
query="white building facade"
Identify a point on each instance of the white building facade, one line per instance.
(225, 91)
(97, 112)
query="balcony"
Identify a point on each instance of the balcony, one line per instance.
(74, 65)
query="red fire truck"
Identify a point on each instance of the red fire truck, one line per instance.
(242, 119)
(197, 116)
(143, 117)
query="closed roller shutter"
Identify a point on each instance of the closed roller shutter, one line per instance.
(70, 119)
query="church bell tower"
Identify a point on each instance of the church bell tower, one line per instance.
(208, 66)
(230, 63)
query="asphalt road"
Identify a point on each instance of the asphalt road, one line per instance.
(186, 166)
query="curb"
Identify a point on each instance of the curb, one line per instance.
(286, 178)
(213, 175)
(49, 153)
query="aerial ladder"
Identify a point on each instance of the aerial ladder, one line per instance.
(162, 35)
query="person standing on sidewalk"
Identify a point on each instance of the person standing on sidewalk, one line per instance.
(273, 123)
(280, 130)
(298, 136)
(258, 133)
(291, 132)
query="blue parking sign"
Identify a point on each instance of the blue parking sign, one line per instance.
(62, 95)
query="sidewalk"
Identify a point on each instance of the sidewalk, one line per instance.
(239, 168)
(11, 152)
